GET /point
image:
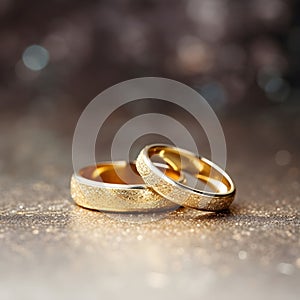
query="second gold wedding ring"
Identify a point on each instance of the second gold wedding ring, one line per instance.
(198, 168)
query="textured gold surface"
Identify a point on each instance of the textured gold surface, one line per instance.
(118, 200)
(53, 249)
(179, 194)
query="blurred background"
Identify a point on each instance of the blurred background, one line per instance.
(58, 55)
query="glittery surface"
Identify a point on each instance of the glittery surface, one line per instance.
(53, 249)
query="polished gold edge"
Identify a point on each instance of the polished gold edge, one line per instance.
(179, 193)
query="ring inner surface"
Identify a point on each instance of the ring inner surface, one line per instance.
(123, 173)
(182, 161)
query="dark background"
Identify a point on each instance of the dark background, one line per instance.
(236, 53)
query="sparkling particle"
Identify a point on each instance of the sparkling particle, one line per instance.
(35, 231)
(242, 255)
(35, 57)
(283, 157)
(139, 237)
(286, 269)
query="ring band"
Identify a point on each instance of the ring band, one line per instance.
(187, 162)
(101, 188)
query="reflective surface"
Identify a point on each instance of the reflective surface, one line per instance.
(52, 249)
(122, 173)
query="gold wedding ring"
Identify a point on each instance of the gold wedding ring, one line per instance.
(112, 187)
(198, 168)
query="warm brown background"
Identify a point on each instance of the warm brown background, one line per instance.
(222, 48)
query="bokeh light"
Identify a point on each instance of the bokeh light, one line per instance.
(35, 57)
(232, 43)
(283, 157)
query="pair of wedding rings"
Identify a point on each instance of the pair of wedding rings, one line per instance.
(151, 184)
